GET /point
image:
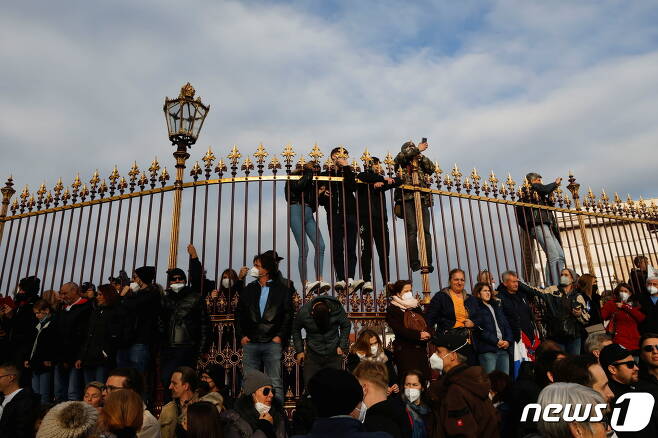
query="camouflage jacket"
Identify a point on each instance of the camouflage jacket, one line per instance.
(425, 169)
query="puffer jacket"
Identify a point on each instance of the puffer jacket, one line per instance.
(460, 400)
(320, 343)
(403, 160)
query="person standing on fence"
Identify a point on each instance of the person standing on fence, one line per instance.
(404, 200)
(373, 220)
(186, 323)
(405, 317)
(327, 331)
(263, 319)
(303, 201)
(339, 202)
(72, 323)
(140, 306)
(541, 225)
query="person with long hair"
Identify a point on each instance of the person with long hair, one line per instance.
(369, 346)
(493, 338)
(624, 316)
(405, 317)
(122, 414)
(203, 421)
(420, 413)
(590, 300)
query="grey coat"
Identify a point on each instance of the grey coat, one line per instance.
(326, 343)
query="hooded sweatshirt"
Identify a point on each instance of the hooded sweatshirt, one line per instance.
(321, 342)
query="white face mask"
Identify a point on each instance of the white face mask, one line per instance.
(436, 362)
(624, 296)
(176, 287)
(134, 286)
(653, 290)
(374, 349)
(362, 412)
(407, 296)
(227, 283)
(412, 394)
(254, 272)
(262, 408)
(565, 281)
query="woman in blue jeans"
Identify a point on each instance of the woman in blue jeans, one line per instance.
(302, 199)
(492, 333)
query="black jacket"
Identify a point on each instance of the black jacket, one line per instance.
(389, 416)
(485, 337)
(341, 193)
(304, 188)
(45, 349)
(372, 201)
(353, 360)
(517, 310)
(72, 327)
(21, 326)
(441, 310)
(539, 195)
(19, 415)
(343, 427)
(185, 318)
(140, 311)
(103, 336)
(276, 319)
(650, 323)
(322, 343)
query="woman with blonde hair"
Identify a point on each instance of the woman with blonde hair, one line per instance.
(122, 415)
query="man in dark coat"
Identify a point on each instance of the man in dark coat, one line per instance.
(186, 322)
(19, 408)
(515, 297)
(21, 321)
(71, 323)
(649, 304)
(327, 330)
(637, 278)
(541, 225)
(460, 398)
(263, 318)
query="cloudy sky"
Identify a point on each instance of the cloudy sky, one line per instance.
(509, 85)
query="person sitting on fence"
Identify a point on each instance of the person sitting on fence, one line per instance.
(637, 278)
(493, 336)
(257, 412)
(624, 316)
(41, 356)
(373, 220)
(263, 319)
(540, 224)
(405, 204)
(405, 318)
(72, 323)
(383, 414)
(649, 303)
(303, 201)
(186, 334)
(339, 202)
(451, 309)
(140, 307)
(369, 347)
(327, 331)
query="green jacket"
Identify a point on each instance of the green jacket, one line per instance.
(321, 343)
(425, 168)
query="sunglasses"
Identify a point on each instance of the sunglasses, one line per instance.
(650, 348)
(176, 278)
(266, 391)
(630, 364)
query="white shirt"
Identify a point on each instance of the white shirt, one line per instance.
(7, 399)
(71, 305)
(150, 426)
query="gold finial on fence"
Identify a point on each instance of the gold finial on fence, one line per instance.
(195, 171)
(617, 199)
(389, 162)
(25, 194)
(134, 171)
(642, 205)
(457, 174)
(510, 182)
(486, 188)
(76, 183)
(58, 190)
(114, 175)
(102, 189)
(467, 184)
(260, 154)
(342, 153)
(234, 156)
(493, 180)
(355, 166)
(503, 190)
(66, 196)
(30, 203)
(208, 158)
(301, 162)
(41, 193)
(437, 170)
(164, 177)
(274, 164)
(84, 192)
(447, 180)
(366, 158)
(316, 153)
(153, 170)
(123, 184)
(14, 206)
(143, 180)
(247, 165)
(220, 168)
(49, 199)
(329, 164)
(475, 177)
(288, 154)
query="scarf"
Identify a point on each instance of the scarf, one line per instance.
(418, 429)
(404, 304)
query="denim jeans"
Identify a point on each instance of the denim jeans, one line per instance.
(412, 233)
(555, 261)
(495, 361)
(572, 347)
(311, 230)
(68, 383)
(136, 356)
(265, 355)
(42, 384)
(96, 373)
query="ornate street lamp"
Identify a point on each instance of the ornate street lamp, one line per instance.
(184, 116)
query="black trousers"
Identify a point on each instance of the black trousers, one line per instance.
(412, 233)
(376, 236)
(344, 257)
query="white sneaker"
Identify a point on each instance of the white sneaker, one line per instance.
(355, 285)
(311, 286)
(367, 287)
(340, 285)
(324, 287)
